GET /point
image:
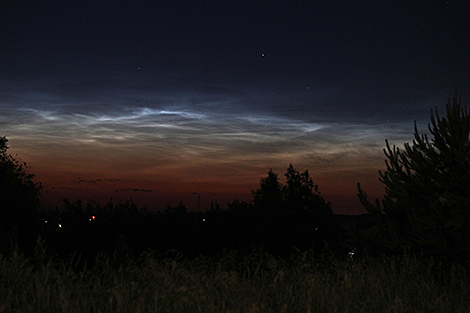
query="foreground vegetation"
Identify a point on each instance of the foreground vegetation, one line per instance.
(257, 282)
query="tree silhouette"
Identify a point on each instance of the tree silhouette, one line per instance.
(290, 214)
(268, 199)
(301, 194)
(426, 207)
(179, 209)
(19, 195)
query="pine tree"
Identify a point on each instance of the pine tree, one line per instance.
(426, 206)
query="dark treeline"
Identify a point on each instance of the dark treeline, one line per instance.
(280, 219)
(425, 211)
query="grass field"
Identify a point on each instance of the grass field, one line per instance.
(258, 282)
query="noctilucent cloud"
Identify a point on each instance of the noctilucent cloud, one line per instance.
(160, 101)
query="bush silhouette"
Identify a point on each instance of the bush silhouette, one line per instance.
(19, 196)
(426, 208)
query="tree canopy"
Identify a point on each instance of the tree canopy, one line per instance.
(426, 206)
(300, 194)
(19, 194)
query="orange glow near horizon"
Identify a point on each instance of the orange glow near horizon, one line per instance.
(156, 188)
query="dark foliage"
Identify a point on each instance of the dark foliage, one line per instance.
(268, 198)
(291, 214)
(179, 209)
(19, 196)
(124, 231)
(299, 195)
(426, 208)
(282, 218)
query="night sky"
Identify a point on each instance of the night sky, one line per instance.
(159, 101)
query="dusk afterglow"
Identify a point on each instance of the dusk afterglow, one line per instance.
(160, 100)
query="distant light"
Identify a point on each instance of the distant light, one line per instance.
(262, 55)
(203, 219)
(352, 252)
(60, 225)
(93, 217)
(45, 222)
